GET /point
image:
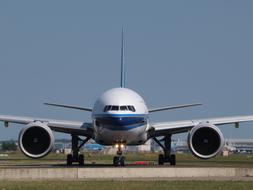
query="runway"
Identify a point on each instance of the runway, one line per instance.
(27, 173)
(18, 168)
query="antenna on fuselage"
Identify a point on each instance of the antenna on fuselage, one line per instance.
(122, 81)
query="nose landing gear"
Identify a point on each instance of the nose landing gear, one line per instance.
(119, 160)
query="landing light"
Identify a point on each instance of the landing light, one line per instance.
(119, 146)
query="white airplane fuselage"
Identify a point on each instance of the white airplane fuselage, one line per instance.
(120, 115)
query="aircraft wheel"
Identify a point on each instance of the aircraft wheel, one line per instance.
(69, 159)
(115, 160)
(122, 161)
(160, 159)
(119, 161)
(173, 160)
(81, 160)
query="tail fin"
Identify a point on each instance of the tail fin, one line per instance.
(122, 81)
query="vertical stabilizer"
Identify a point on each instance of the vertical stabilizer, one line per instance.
(122, 81)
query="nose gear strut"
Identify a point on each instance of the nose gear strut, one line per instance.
(119, 160)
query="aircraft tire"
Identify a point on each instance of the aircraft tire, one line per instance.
(81, 160)
(69, 159)
(116, 161)
(122, 161)
(173, 160)
(161, 159)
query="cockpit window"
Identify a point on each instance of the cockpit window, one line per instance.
(121, 108)
(107, 108)
(115, 108)
(131, 108)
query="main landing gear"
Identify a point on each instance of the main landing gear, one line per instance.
(75, 156)
(167, 156)
(119, 160)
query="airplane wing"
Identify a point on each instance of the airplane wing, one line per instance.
(163, 128)
(173, 107)
(70, 107)
(71, 127)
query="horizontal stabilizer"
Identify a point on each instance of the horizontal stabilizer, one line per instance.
(172, 107)
(70, 107)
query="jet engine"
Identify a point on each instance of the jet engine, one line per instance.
(205, 140)
(36, 140)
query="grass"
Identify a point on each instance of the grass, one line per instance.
(129, 185)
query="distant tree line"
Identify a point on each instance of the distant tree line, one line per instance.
(9, 146)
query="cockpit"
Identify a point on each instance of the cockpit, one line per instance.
(119, 108)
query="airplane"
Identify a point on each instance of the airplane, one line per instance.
(120, 118)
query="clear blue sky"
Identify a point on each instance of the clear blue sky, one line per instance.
(176, 52)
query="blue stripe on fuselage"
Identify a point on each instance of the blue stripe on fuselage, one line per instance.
(121, 121)
(122, 128)
(121, 115)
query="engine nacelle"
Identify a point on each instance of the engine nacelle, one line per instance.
(36, 140)
(205, 140)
